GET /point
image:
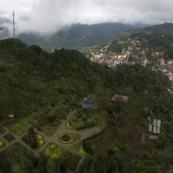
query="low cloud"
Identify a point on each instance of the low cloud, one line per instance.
(47, 16)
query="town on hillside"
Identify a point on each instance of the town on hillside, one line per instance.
(134, 51)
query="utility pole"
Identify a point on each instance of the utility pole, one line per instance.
(13, 25)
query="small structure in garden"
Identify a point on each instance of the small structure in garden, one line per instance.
(66, 138)
(121, 98)
(11, 117)
(154, 129)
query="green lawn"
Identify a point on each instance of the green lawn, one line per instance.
(50, 130)
(9, 137)
(2, 131)
(81, 118)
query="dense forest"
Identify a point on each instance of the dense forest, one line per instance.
(31, 78)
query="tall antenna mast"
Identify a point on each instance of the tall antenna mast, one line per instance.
(13, 24)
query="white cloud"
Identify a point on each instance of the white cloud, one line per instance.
(46, 16)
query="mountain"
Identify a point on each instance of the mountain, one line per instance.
(77, 36)
(34, 80)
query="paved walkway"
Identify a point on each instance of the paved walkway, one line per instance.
(54, 138)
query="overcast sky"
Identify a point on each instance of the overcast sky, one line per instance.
(47, 16)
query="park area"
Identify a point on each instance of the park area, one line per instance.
(18, 128)
(85, 118)
(53, 150)
(9, 137)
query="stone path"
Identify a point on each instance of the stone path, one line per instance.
(54, 138)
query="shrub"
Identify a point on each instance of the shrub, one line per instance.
(87, 147)
(51, 119)
(85, 126)
(34, 145)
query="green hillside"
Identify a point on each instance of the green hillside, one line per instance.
(31, 79)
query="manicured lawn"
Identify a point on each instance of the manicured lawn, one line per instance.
(9, 137)
(2, 130)
(18, 128)
(52, 150)
(50, 130)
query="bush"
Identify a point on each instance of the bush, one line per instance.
(87, 147)
(34, 145)
(85, 126)
(51, 119)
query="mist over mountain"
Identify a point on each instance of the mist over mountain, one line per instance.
(77, 36)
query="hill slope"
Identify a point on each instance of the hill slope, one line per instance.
(32, 78)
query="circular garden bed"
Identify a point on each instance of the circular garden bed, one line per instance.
(66, 138)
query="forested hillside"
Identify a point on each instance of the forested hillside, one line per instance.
(32, 78)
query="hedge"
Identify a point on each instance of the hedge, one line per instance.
(85, 126)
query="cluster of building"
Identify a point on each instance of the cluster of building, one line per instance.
(134, 51)
(131, 53)
(154, 129)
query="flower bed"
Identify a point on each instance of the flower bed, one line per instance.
(66, 138)
(1, 143)
(69, 125)
(52, 150)
(40, 139)
(18, 128)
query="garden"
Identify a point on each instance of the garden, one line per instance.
(85, 118)
(66, 138)
(9, 137)
(18, 128)
(52, 150)
(33, 139)
(2, 130)
(1, 144)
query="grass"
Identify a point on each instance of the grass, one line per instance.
(9, 137)
(50, 130)
(81, 150)
(2, 131)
